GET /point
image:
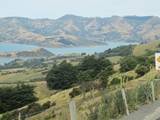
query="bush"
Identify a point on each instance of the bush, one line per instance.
(115, 81)
(34, 108)
(128, 63)
(110, 108)
(75, 92)
(10, 116)
(46, 105)
(104, 75)
(142, 70)
(144, 93)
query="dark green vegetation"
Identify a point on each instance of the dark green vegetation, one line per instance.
(142, 70)
(130, 62)
(79, 31)
(64, 75)
(15, 97)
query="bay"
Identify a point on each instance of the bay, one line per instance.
(10, 47)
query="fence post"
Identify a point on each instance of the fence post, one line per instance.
(72, 108)
(19, 116)
(153, 93)
(125, 101)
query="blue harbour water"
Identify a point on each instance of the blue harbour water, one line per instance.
(9, 47)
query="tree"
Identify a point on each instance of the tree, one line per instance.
(84, 76)
(104, 75)
(13, 98)
(93, 65)
(62, 76)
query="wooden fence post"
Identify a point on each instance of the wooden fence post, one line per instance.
(19, 116)
(125, 101)
(72, 108)
(153, 93)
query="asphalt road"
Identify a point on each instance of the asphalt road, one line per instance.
(147, 112)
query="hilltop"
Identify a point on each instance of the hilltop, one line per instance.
(72, 31)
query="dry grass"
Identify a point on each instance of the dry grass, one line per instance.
(141, 49)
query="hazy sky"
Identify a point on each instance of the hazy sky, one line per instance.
(89, 8)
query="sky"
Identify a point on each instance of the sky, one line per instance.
(88, 8)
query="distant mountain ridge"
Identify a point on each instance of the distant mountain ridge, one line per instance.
(72, 31)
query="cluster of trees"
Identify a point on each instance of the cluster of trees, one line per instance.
(15, 97)
(64, 75)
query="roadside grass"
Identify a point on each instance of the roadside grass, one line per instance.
(62, 99)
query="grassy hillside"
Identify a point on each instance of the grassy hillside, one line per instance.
(142, 49)
(87, 102)
(83, 105)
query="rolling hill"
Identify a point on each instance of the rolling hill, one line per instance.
(40, 52)
(92, 98)
(70, 30)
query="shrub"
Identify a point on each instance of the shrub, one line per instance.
(104, 75)
(128, 63)
(34, 108)
(144, 93)
(75, 92)
(142, 70)
(46, 105)
(115, 81)
(9, 116)
(110, 108)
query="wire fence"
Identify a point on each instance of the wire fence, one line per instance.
(100, 106)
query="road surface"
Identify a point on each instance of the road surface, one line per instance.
(146, 112)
